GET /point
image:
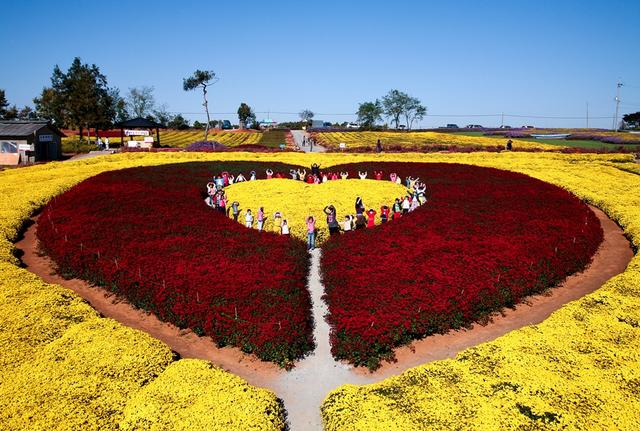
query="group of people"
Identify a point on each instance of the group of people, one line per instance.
(102, 145)
(363, 218)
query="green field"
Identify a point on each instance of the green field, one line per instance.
(588, 144)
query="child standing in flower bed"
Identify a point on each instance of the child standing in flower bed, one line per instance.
(284, 229)
(260, 219)
(235, 209)
(249, 219)
(371, 217)
(277, 221)
(311, 233)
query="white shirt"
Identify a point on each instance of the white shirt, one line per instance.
(405, 204)
(285, 229)
(249, 218)
(347, 225)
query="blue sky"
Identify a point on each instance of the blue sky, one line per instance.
(546, 58)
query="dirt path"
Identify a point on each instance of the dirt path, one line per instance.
(304, 388)
(90, 155)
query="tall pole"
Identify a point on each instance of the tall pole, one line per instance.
(502, 120)
(615, 120)
(587, 115)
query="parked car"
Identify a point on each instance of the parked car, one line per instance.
(451, 126)
(474, 126)
(528, 127)
(505, 127)
(226, 125)
(352, 126)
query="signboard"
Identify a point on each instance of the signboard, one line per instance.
(343, 145)
(132, 144)
(148, 139)
(27, 147)
(45, 138)
(136, 133)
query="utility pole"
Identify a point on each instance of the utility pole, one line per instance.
(587, 115)
(502, 120)
(615, 119)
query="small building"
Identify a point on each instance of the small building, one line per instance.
(140, 127)
(29, 141)
(267, 123)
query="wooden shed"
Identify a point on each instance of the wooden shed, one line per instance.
(29, 141)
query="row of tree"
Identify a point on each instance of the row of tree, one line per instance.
(396, 106)
(80, 98)
(12, 112)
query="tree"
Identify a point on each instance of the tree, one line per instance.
(198, 125)
(48, 106)
(394, 105)
(413, 111)
(202, 79)
(3, 104)
(398, 104)
(162, 115)
(119, 106)
(245, 115)
(179, 122)
(306, 115)
(632, 120)
(140, 101)
(78, 98)
(11, 113)
(27, 113)
(369, 113)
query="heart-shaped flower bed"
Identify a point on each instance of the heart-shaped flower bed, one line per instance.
(485, 239)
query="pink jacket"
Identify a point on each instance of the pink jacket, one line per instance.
(311, 226)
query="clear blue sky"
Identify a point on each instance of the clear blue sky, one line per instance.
(540, 57)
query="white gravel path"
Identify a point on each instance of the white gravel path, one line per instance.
(297, 137)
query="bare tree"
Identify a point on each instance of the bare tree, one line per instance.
(140, 101)
(306, 115)
(202, 79)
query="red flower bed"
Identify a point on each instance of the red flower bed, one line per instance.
(485, 239)
(147, 235)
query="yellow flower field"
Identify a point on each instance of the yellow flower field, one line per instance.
(296, 200)
(416, 140)
(64, 367)
(184, 138)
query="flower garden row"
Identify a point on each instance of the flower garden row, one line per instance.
(584, 357)
(184, 138)
(418, 141)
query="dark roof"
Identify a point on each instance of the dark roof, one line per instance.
(140, 122)
(25, 128)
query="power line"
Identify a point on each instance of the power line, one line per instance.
(558, 117)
